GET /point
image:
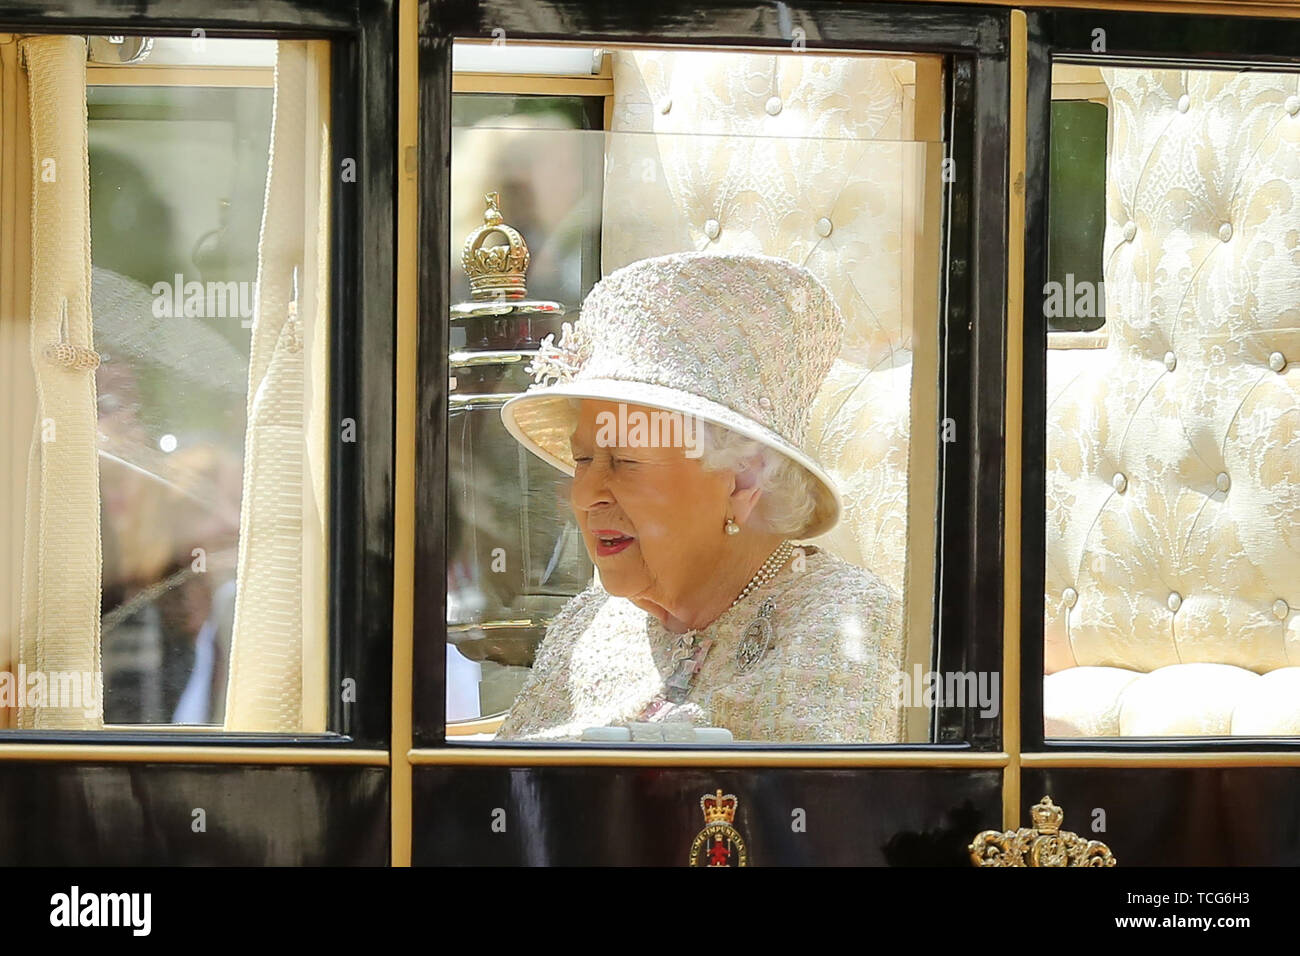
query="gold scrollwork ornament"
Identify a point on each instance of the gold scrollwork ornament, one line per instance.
(1045, 844)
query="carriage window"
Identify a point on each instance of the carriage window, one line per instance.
(1075, 297)
(693, 407)
(164, 326)
(1171, 563)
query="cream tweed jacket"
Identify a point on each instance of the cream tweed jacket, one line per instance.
(830, 675)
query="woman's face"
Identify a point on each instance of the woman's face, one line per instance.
(652, 517)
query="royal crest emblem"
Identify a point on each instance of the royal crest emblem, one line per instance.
(719, 843)
(1045, 844)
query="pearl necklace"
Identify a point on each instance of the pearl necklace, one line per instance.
(774, 563)
(689, 651)
(758, 637)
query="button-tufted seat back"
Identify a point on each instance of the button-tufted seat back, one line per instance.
(792, 156)
(1173, 453)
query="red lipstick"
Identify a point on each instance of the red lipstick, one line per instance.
(610, 542)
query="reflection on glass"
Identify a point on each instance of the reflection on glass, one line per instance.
(515, 557)
(1172, 430)
(163, 331)
(785, 349)
(177, 179)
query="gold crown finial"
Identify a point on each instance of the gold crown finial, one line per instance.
(718, 807)
(497, 271)
(1047, 816)
(1045, 844)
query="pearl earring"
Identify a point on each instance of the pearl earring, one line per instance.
(731, 527)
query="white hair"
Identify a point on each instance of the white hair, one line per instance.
(789, 493)
(788, 500)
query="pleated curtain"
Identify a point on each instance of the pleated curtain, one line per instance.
(278, 647)
(60, 588)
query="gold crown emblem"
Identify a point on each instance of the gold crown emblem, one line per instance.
(497, 271)
(719, 807)
(1045, 844)
(1047, 816)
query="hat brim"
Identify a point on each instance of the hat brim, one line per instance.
(541, 420)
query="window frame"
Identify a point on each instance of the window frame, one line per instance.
(1161, 40)
(362, 330)
(968, 584)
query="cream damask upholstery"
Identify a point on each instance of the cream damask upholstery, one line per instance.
(1173, 454)
(799, 157)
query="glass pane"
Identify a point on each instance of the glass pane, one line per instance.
(186, 168)
(1078, 190)
(503, 503)
(202, 331)
(1172, 430)
(754, 380)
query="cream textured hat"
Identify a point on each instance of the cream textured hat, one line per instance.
(738, 339)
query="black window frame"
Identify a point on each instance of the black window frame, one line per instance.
(1159, 40)
(968, 583)
(362, 334)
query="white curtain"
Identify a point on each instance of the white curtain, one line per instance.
(60, 589)
(278, 649)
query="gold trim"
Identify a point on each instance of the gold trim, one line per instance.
(1184, 759)
(165, 753)
(1019, 62)
(408, 253)
(482, 725)
(607, 69)
(1231, 8)
(720, 47)
(141, 74)
(1074, 81)
(494, 756)
(535, 84)
(1076, 74)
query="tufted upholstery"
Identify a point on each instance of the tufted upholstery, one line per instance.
(793, 156)
(1173, 481)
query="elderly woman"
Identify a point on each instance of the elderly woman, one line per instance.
(679, 405)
